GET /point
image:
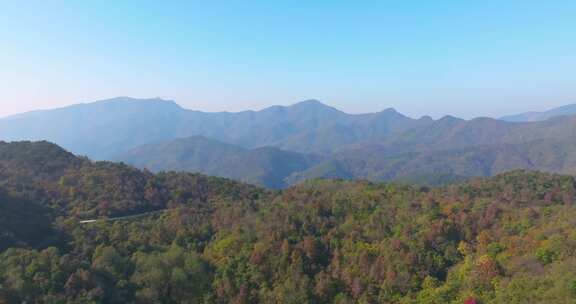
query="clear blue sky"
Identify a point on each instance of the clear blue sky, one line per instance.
(465, 58)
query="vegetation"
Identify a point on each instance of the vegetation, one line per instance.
(506, 239)
(440, 167)
(267, 166)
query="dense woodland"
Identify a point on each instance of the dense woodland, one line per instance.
(199, 239)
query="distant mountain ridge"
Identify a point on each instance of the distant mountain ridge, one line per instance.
(447, 150)
(282, 145)
(103, 129)
(541, 116)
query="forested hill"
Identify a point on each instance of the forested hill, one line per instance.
(42, 183)
(506, 239)
(266, 166)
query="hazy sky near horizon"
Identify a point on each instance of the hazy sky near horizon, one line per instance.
(464, 58)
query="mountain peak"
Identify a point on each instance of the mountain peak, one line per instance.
(311, 106)
(390, 111)
(309, 103)
(450, 119)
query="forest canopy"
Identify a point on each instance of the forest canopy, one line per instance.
(190, 238)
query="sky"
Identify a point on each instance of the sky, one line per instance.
(464, 58)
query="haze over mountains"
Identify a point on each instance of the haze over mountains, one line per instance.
(105, 128)
(279, 145)
(540, 116)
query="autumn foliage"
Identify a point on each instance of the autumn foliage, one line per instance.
(197, 239)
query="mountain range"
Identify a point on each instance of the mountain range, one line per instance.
(103, 129)
(282, 145)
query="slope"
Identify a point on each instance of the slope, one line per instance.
(266, 166)
(438, 167)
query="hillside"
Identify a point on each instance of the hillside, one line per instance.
(266, 166)
(447, 150)
(195, 153)
(452, 133)
(445, 166)
(506, 239)
(70, 186)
